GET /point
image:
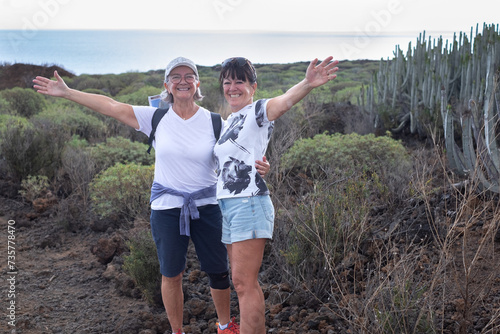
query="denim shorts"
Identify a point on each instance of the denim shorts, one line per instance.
(206, 236)
(247, 218)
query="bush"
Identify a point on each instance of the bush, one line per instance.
(348, 94)
(381, 158)
(213, 100)
(86, 81)
(30, 149)
(96, 91)
(143, 266)
(7, 121)
(322, 228)
(139, 97)
(120, 150)
(122, 191)
(5, 107)
(74, 122)
(24, 102)
(80, 167)
(34, 187)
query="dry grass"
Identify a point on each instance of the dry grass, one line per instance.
(426, 265)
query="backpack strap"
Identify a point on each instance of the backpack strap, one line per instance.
(216, 124)
(157, 116)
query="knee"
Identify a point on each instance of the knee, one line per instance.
(242, 283)
(219, 281)
(172, 280)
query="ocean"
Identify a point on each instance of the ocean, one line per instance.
(120, 51)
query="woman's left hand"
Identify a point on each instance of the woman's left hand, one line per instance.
(263, 166)
(322, 73)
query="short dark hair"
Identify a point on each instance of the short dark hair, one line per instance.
(238, 68)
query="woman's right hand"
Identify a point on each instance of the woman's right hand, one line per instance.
(46, 86)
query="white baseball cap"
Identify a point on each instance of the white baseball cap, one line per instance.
(180, 61)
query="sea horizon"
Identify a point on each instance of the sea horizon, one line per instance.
(121, 51)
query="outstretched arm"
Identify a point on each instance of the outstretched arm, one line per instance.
(100, 103)
(315, 77)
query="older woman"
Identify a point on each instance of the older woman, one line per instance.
(248, 213)
(184, 172)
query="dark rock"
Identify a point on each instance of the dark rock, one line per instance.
(195, 306)
(106, 249)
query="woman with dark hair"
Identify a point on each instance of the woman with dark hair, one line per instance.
(183, 196)
(247, 210)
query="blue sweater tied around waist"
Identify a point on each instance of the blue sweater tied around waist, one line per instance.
(188, 208)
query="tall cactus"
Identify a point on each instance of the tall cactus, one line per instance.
(412, 84)
(480, 156)
(436, 78)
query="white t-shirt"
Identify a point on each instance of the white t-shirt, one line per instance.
(184, 158)
(243, 140)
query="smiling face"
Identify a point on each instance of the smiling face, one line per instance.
(186, 88)
(238, 93)
(238, 81)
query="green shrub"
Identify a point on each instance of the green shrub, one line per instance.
(382, 158)
(326, 224)
(24, 101)
(115, 128)
(34, 187)
(398, 309)
(264, 94)
(111, 84)
(120, 150)
(77, 142)
(7, 121)
(212, 97)
(122, 191)
(143, 266)
(389, 116)
(139, 97)
(85, 81)
(74, 122)
(348, 94)
(5, 107)
(30, 148)
(96, 91)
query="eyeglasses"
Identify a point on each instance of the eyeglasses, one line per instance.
(240, 61)
(189, 78)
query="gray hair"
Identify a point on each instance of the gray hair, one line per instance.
(180, 61)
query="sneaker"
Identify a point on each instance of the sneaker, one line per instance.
(179, 331)
(232, 328)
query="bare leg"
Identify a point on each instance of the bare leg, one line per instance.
(246, 258)
(221, 301)
(173, 300)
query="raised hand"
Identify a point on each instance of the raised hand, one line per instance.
(51, 87)
(317, 75)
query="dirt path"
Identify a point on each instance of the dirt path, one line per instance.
(60, 286)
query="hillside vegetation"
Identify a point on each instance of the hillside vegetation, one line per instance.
(374, 232)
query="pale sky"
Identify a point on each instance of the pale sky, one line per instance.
(362, 16)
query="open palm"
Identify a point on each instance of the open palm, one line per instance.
(322, 73)
(51, 87)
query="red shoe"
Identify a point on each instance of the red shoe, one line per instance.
(179, 331)
(232, 328)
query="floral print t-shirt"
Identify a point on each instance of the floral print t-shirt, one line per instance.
(243, 140)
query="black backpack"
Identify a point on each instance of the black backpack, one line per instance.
(160, 112)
